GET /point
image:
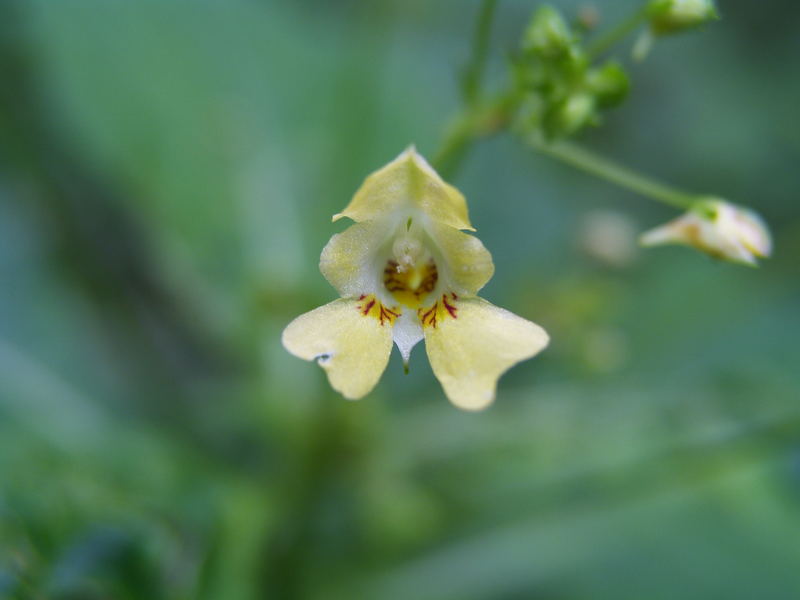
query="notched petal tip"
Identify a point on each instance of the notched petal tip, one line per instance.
(470, 352)
(353, 349)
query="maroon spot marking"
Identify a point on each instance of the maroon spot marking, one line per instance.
(450, 308)
(387, 314)
(369, 306)
(430, 315)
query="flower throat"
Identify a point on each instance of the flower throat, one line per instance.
(412, 284)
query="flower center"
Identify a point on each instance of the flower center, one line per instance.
(410, 283)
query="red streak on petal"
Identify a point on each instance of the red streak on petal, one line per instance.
(450, 308)
(369, 306)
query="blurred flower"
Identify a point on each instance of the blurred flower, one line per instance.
(609, 237)
(588, 17)
(718, 228)
(674, 16)
(406, 272)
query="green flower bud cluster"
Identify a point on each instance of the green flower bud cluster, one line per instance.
(560, 92)
(674, 16)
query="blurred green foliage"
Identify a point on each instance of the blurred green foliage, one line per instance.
(167, 173)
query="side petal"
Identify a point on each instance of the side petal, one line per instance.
(352, 348)
(406, 184)
(469, 353)
(464, 261)
(352, 261)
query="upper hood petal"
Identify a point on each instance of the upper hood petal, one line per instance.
(408, 183)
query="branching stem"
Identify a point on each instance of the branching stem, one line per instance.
(482, 117)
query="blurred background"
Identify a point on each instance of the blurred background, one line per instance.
(168, 170)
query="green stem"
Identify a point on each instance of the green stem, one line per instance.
(473, 73)
(454, 146)
(590, 162)
(477, 121)
(604, 42)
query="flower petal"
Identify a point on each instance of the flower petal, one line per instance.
(407, 333)
(751, 229)
(352, 260)
(468, 353)
(465, 263)
(352, 348)
(672, 232)
(408, 183)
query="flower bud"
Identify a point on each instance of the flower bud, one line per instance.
(609, 84)
(673, 16)
(718, 228)
(547, 34)
(573, 114)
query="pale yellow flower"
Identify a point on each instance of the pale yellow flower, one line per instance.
(406, 272)
(718, 228)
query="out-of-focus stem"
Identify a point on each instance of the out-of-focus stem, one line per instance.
(604, 168)
(473, 123)
(477, 117)
(472, 80)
